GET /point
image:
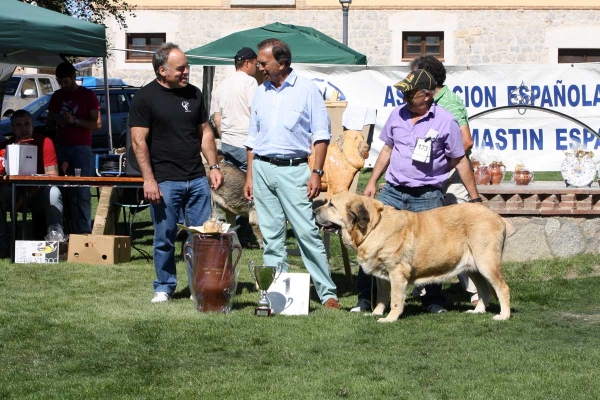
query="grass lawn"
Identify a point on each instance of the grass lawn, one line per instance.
(74, 331)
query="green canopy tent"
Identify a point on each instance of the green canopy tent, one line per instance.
(36, 37)
(308, 46)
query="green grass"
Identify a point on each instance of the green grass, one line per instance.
(74, 331)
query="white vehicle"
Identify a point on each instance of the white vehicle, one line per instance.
(23, 89)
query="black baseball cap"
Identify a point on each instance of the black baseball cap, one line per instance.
(245, 53)
(417, 79)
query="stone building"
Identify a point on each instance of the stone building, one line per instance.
(388, 32)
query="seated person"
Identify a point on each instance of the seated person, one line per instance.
(45, 200)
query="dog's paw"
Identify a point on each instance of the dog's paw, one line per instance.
(475, 311)
(379, 310)
(501, 317)
(387, 320)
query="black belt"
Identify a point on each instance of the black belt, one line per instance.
(289, 162)
(415, 191)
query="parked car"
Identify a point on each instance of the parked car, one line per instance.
(23, 89)
(120, 98)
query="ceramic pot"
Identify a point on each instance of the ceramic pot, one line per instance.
(213, 259)
(482, 175)
(497, 173)
(522, 177)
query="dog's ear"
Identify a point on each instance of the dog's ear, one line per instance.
(358, 214)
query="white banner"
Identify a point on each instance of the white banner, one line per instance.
(536, 137)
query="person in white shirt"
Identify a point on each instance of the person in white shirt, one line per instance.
(230, 106)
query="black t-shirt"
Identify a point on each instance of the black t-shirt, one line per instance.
(173, 116)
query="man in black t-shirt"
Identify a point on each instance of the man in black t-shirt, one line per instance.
(169, 129)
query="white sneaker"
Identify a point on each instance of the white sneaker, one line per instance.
(160, 297)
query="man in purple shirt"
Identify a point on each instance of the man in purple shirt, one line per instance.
(422, 143)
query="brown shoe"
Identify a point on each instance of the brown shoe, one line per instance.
(332, 304)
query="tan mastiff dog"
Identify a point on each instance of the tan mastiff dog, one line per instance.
(403, 247)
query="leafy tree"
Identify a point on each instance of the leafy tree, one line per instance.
(96, 11)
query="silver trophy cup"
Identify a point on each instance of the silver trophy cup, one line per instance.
(263, 277)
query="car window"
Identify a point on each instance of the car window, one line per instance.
(12, 85)
(123, 104)
(28, 86)
(114, 107)
(118, 103)
(45, 85)
(102, 103)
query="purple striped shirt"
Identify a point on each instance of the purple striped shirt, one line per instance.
(401, 135)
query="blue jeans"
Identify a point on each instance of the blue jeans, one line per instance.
(79, 198)
(235, 156)
(415, 200)
(194, 198)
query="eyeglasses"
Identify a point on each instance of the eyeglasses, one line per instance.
(410, 97)
(263, 64)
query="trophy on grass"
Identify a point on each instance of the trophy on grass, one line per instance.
(264, 276)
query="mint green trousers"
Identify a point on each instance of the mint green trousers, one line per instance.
(280, 196)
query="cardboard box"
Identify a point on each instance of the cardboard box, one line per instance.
(36, 251)
(21, 159)
(99, 249)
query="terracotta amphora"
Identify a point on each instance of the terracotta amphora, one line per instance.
(482, 175)
(497, 170)
(522, 177)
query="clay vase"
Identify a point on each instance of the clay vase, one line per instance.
(482, 175)
(213, 259)
(522, 177)
(497, 173)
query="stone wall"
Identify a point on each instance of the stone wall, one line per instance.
(480, 37)
(546, 237)
(550, 219)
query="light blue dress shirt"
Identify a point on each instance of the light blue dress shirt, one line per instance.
(285, 122)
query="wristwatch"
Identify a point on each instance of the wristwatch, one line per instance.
(75, 121)
(216, 166)
(319, 172)
(476, 200)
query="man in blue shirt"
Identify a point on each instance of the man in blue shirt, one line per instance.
(287, 113)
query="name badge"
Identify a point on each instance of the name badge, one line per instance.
(422, 150)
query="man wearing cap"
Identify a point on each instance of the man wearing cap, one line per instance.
(422, 143)
(230, 106)
(455, 191)
(288, 113)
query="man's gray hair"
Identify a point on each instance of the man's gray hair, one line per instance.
(159, 59)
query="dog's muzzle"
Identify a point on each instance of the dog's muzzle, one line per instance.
(327, 226)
